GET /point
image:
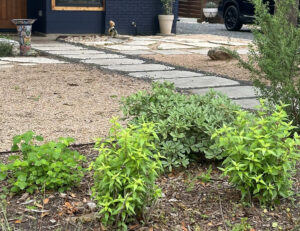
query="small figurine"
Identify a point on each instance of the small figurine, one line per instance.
(112, 30)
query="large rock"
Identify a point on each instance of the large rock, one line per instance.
(218, 54)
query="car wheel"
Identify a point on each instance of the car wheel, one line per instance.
(232, 19)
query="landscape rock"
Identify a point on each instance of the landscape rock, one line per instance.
(218, 54)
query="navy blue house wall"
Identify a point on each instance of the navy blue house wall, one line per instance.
(143, 12)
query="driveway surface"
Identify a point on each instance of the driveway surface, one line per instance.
(190, 26)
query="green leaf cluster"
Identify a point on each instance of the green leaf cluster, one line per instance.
(6, 49)
(260, 153)
(167, 6)
(125, 173)
(274, 57)
(184, 123)
(48, 166)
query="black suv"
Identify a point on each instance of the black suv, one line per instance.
(238, 12)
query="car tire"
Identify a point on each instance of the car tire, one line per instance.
(232, 19)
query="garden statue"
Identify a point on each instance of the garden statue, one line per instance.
(112, 30)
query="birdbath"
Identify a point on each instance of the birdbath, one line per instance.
(24, 27)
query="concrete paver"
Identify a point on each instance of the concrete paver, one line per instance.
(204, 44)
(232, 92)
(194, 82)
(110, 62)
(40, 60)
(169, 46)
(75, 52)
(172, 52)
(94, 56)
(247, 103)
(140, 43)
(165, 74)
(137, 52)
(140, 67)
(58, 48)
(3, 62)
(127, 48)
(201, 82)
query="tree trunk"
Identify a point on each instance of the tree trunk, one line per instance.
(294, 13)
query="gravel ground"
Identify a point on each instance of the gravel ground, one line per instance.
(213, 29)
(60, 100)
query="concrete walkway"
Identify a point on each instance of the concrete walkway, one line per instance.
(195, 82)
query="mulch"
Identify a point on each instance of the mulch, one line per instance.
(189, 203)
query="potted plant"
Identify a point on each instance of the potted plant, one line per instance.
(210, 10)
(166, 19)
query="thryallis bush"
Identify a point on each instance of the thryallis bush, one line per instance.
(274, 57)
(125, 173)
(48, 166)
(260, 155)
(184, 123)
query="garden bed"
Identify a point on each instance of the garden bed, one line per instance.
(190, 202)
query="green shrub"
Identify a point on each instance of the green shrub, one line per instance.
(274, 57)
(260, 155)
(125, 173)
(6, 49)
(184, 123)
(48, 166)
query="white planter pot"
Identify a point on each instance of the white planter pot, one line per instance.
(210, 12)
(165, 23)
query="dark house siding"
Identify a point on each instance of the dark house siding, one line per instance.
(32, 11)
(143, 12)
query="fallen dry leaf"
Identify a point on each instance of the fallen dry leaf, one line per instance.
(18, 221)
(73, 195)
(38, 205)
(183, 226)
(44, 214)
(46, 201)
(68, 205)
(210, 224)
(133, 227)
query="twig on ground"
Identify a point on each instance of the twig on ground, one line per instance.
(222, 214)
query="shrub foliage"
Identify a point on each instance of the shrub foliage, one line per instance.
(274, 57)
(6, 49)
(48, 166)
(125, 173)
(260, 155)
(184, 123)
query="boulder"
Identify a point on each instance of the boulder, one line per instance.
(218, 54)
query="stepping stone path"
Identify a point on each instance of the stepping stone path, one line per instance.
(194, 82)
(10, 62)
